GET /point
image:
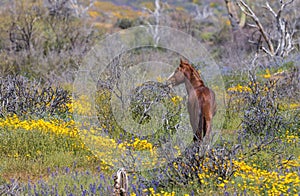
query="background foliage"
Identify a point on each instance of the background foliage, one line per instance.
(42, 44)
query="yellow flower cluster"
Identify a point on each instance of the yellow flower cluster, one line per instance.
(209, 171)
(252, 179)
(138, 144)
(109, 151)
(176, 99)
(294, 106)
(267, 75)
(262, 181)
(55, 126)
(290, 137)
(239, 88)
(117, 11)
(80, 106)
(94, 14)
(152, 192)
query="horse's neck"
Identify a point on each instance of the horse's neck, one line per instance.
(193, 82)
(189, 87)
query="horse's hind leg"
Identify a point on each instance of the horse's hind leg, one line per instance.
(198, 134)
(207, 120)
(207, 128)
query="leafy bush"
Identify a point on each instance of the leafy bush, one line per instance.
(43, 41)
(24, 97)
(148, 96)
(262, 114)
(144, 100)
(263, 103)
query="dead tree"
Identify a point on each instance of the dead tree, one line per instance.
(236, 22)
(153, 29)
(281, 43)
(79, 9)
(23, 28)
(204, 13)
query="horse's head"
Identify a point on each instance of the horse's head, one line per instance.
(180, 74)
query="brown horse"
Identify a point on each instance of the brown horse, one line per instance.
(201, 99)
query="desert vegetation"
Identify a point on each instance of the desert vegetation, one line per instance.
(50, 145)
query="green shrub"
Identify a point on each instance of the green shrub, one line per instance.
(32, 98)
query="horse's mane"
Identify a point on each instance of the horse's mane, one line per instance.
(195, 73)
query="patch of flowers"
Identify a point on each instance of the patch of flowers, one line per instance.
(102, 147)
(57, 127)
(284, 180)
(138, 144)
(239, 88)
(176, 99)
(291, 137)
(152, 192)
(80, 106)
(267, 75)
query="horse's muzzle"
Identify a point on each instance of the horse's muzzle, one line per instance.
(170, 81)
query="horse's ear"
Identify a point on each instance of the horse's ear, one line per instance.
(183, 61)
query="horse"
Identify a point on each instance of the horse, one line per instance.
(201, 99)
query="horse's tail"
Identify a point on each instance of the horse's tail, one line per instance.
(204, 127)
(198, 136)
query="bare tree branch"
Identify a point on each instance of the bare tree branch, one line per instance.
(80, 10)
(249, 12)
(205, 13)
(154, 29)
(284, 39)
